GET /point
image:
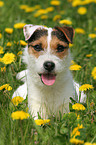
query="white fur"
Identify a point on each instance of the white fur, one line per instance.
(41, 98)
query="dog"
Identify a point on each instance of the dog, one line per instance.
(47, 80)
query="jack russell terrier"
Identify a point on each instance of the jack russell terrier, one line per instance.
(47, 80)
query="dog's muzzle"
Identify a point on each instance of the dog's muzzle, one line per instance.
(48, 78)
(49, 66)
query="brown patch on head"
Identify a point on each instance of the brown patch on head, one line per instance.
(37, 47)
(59, 47)
(37, 42)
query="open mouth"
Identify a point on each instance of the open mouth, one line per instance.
(48, 79)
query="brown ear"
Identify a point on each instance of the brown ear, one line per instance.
(67, 31)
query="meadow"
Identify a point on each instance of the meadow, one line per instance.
(17, 127)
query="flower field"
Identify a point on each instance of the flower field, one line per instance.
(17, 127)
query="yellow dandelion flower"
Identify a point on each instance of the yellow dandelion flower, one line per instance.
(3, 69)
(19, 25)
(50, 9)
(0, 35)
(42, 11)
(88, 55)
(29, 9)
(23, 7)
(8, 58)
(1, 50)
(9, 44)
(23, 43)
(19, 115)
(41, 121)
(92, 35)
(67, 22)
(82, 10)
(78, 106)
(6, 87)
(75, 131)
(76, 141)
(19, 53)
(75, 67)
(1, 3)
(17, 100)
(85, 87)
(80, 30)
(93, 73)
(9, 30)
(95, 28)
(88, 143)
(57, 17)
(70, 45)
(44, 17)
(55, 2)
(76, 3)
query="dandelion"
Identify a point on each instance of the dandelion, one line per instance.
(70, 45)
(29, 9)
(8, 58)
(82, 10)
(9, 30)
(95, 28)
(92, 35)
(1, 50)
(0, 35)
(78, 106)
(88, 143)
(17, 100)
(85, 87)
(76, 141)
(1, 3)
(93, 73)
(88, 55)
(20, 115)
(19, 25)
(76, 3)
(9, 44)
(44, 17)
(80, 30)
(19, 53)
(23, 7)
(41, 121)
(67, 22)
(23, 43)
(50, 9)
(55, 3)
(75, 131)
(42, 11)
(6, 87)
(57, 17)
(75, 67)
(3, 69)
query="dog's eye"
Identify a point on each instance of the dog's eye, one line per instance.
(37, 47)
(61, 48)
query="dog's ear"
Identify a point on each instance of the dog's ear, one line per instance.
(30, 29)
(67, 31)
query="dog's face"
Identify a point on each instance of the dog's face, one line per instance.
(48, 50)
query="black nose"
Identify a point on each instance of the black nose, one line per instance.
(49, 65)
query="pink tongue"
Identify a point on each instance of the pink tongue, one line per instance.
(48, 79)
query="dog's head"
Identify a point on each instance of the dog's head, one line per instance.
(48, 51)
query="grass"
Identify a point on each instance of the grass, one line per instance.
(59, 131)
